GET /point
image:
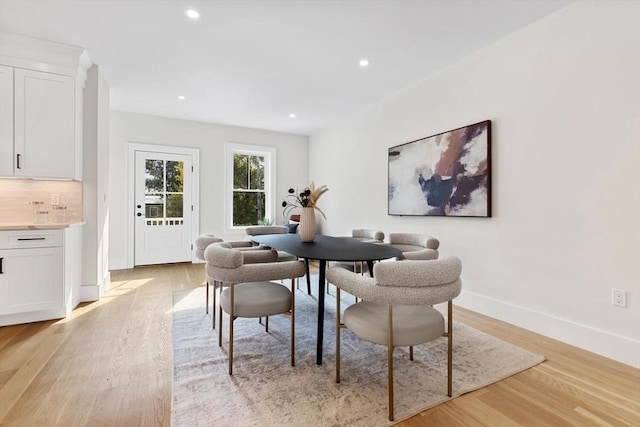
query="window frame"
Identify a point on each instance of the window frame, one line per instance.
(269, 154)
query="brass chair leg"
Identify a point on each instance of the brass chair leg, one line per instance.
(220, 320)
(450, 348)
(390, 360)
(293, 324)
(214, 289)
(337, 334)
(231, 304)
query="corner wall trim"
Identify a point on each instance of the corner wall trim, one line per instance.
(94, 292)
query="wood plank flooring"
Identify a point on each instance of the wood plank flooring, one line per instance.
(110, 364)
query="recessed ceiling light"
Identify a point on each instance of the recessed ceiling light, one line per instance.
(292, 115)
(364, 62)
(181, 98)
(192, 13)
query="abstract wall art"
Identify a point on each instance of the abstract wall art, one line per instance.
(448, 174)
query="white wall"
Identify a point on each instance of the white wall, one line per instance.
(564, 98)
(95, 186)
(292, 152)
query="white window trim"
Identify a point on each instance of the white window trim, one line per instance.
(269, 154)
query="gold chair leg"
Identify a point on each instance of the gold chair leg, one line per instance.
(337, 334)
(293, 323)
(206, 304)
(219, 309)
(214, 289)
(231, 304)
(450, 348)
(390, 359)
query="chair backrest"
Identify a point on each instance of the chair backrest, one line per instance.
(412, 241)
(229, 265)
(417, 282)
(259, 230)
(367, 234)
(202, 242)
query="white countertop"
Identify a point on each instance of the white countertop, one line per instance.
(32, 226)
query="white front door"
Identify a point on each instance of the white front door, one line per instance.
(163, 207)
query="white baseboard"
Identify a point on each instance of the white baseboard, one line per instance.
(622, 349)
(94, 292)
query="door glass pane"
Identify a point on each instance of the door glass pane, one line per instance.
(154, 176)
(175, 176)
(164, 197)
(154, 206)
(174, 205)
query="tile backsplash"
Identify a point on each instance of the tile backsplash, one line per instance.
(17, 195)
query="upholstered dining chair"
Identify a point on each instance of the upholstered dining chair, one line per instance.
(397, 307)
(260, 230)
(202, 242)
(367, 235)
(415, 246)
(254, 254)
(249, 291)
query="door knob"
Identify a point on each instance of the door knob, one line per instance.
(139, 214)
(139, 206)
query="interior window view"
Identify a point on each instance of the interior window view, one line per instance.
(357, 213)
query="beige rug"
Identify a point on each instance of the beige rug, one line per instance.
(265, 390)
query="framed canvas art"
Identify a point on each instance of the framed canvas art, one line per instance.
(448, 174)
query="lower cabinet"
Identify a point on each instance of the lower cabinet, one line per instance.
(32, 276)
(31, 280)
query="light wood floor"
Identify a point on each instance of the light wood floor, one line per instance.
(110, 363)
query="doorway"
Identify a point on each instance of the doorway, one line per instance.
(164, 200)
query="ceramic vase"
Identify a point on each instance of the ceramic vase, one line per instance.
(307, 225)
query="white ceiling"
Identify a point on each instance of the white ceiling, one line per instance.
(253, 62)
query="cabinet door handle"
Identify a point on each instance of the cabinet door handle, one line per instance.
(31, 238)
(1, 272)
(18, 161)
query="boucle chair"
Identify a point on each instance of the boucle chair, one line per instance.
(260, 230)
(202, 242)
(397, 307)
(249, 291)
(366, 235)
(253, 254)
(415, 246)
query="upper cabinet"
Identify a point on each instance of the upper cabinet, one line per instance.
(41, 108)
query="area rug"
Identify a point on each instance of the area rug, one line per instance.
(265, 390)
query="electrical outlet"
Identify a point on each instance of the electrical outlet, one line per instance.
(618, 297)
(55, 199)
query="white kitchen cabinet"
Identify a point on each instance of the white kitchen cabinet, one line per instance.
(31, 280)
(6, 121)
(41, 108)
(44, 124)
(43, 128)
(37, 275)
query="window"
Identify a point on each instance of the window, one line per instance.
(249, 185)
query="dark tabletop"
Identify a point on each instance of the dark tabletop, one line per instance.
(328, 248)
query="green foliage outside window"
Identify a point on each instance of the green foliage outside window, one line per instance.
(248, 189)
(164, 184)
